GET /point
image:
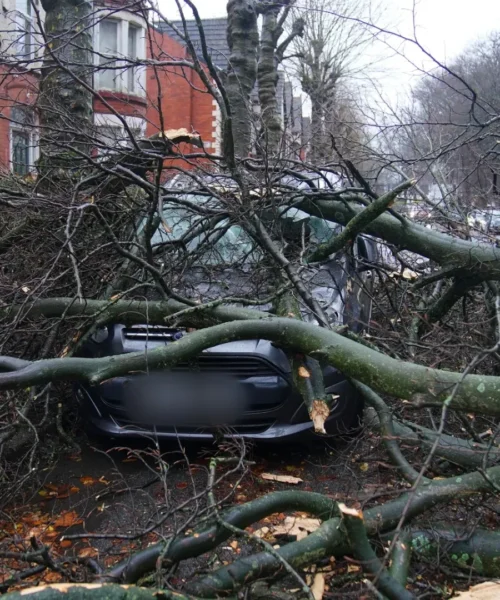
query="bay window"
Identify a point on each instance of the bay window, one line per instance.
(133, 46)
(108, 53)
(25, 30)
(121, 44)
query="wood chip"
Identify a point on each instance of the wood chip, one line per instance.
(282, 478)
(298, 527)
(318, 586)
(319, 414)
(490, 590)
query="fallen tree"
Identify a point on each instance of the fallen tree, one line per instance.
(113, 244)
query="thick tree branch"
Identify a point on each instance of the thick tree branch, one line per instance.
(471, 257)
(359, 223)
(353, 521)
(474, 393)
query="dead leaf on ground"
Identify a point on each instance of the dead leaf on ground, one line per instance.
(50, 491)
(282, 478)
(318, 586)
(67, 519)
(88, 552)
(88, 480)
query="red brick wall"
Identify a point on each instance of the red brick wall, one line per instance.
(177, 97)
(123, 104)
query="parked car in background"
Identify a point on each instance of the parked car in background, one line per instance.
(185, 402)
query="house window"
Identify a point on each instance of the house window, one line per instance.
(133, 45)
(24, 20)
(119, 40)
(23, 140)
(108, 51)
(111, 137)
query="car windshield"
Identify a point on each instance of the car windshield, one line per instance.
(224, 243)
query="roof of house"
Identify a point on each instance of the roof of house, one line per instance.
(215, 36)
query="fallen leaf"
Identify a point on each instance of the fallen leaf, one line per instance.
(66, 544)
(181, 485)
(363, 467)
(51, 490)
(67, 519)
(52, 577)
(319, 414)
(88, 552)
(282, 478)
(318, 586)
(87, 480)
(234, 544)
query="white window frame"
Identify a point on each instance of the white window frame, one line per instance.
(124, 20)
(25, 30)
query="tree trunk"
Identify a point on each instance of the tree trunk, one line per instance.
(65, 97)
(268, 80)
(243, 40)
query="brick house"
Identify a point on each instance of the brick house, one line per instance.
(149, 98)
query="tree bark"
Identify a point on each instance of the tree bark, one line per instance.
(473, 393)
(243, 40)
(267, 75)
(476, 552)
(469, 257)
(91, 591)
(65, 101)
(330, 539)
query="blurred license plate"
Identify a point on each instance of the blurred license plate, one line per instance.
(185, 399)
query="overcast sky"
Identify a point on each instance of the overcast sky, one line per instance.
(444, 28)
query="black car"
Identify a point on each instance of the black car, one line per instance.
(268, 405)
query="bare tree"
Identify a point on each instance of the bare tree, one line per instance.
(334, 36)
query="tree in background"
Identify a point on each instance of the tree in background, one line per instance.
(334, 36)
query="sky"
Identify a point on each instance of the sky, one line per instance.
(444, 28)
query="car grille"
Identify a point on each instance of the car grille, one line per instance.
(239, 365)
(151, 333)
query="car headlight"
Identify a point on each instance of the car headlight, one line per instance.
(100, 335)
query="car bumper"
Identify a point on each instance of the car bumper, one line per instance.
(285, 421)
